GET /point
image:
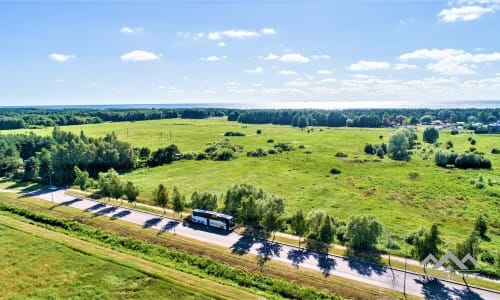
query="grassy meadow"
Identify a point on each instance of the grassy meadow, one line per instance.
(37, 267)
(403, 195)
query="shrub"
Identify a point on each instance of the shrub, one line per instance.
(301, 146)
(284, 146)
(472, 141)
(449, 145)
(189, 155)
(259, 131)
(335, 171)
(369, 149)
(234, 133)
(495, 151)
(257, 153)
(380, 152)
(469, 138)
(270, 141)
(340, 154)
(431, 135)
(472, 161)
(454, 132)
(272, 151)
(202, 156)
(487, 257)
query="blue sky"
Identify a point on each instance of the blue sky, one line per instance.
(252, 52)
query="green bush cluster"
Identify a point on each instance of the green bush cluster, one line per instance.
(234, 133)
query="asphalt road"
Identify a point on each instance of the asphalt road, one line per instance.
(373, 274)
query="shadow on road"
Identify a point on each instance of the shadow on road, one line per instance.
(105, 211)
(196, 226)
(170, 225)
(67, 203)
(325, 263)
(269, 249)
(243, 245)
(298, 256)
(95, 207)
(434, 289)
(366, 268)
(120, 214)
(152, 222)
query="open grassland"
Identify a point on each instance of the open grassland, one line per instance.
(37, 263)
(403, 195)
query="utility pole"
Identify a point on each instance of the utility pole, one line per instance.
(406, 255)
(51, 188)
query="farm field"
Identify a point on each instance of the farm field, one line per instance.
(403, 195)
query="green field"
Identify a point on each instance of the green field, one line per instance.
(47, 265)
(403, 195)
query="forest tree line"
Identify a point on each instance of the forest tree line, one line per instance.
(19, 118)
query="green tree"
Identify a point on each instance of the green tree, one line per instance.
(480, 226)
(426, 119)
(106, 180)
(399, 146)
(116, 187)
(204, 201)
(298, 223)
(426, 242)
(45, 170)
(469, 246)
(250, 214)
(30, 169)
(327, 230)
(272, 210)
(178, 201)
(363, 232)
(160, 196)
(82, 179)
(131, 191)
(315, 219)
(431, 135)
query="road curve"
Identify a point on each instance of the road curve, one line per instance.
(353, 269)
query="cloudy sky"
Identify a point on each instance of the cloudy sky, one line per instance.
(262, 52)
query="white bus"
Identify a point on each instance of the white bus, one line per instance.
(213, 219)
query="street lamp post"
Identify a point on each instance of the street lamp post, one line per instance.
(406, 255)
(51, 188)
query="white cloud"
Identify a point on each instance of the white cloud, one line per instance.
(256, 70)
(324, 72)
(186, 78)
(450, 67)
(256, 84)
(232, 34)
(214, 36)
(268, 31)
(61, 57)
(140, 55)
(270, 56)
(221, 44)
(170, 89)
(400, 67)
(465, 13)
(297, 84)
(451, 61)
(328, 80)
(212, 58)
(294, 58)
(364, 65)
(129, 30)
(320, 56)
(287, 72)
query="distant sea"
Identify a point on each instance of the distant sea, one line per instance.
(291, 105)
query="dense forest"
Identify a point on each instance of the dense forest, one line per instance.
(18, 118)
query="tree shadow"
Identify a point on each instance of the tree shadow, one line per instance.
(168, 226)
(105, 211)
(365, 263)
(434, 289)
(66, 203)
(325, 263)
(120, 214)
(269, 249)
(95, 207)
(243, 245)
(152, 222)
(298, 256)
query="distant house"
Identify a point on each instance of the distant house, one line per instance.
(494, 127)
